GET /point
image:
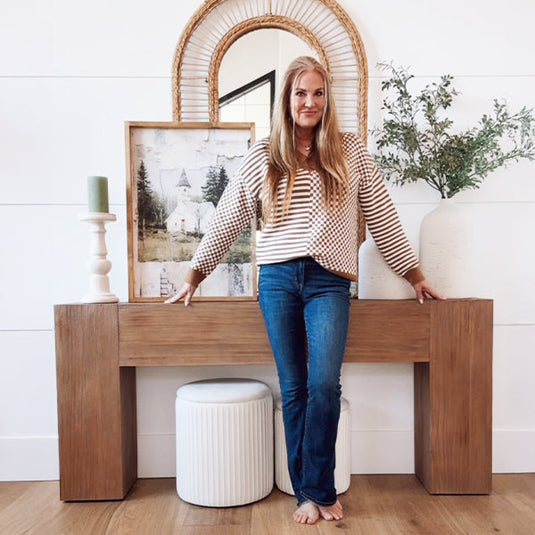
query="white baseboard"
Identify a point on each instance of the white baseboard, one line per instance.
(156, 455)
(513, 451)
(372, 452)
(29, 458)
(382, 451)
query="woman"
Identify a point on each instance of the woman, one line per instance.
(311, 181)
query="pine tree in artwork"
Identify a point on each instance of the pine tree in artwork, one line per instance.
(216, 182)
(144, 199)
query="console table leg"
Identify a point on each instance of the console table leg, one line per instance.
(96, 405)
(453, 401)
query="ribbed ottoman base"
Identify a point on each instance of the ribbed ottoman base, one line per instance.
(224, 442)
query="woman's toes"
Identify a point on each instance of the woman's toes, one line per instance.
(332, 512)
(307, 513)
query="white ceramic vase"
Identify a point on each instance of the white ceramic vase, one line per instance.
(445, 249)
(376, 279)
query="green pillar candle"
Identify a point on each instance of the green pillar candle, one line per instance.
(97, 188)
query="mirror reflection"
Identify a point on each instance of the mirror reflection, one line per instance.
(250, 72)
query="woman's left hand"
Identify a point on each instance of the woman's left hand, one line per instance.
(424, 291)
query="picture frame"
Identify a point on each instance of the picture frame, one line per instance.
(176, 173)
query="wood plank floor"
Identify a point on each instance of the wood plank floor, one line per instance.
(374, 505)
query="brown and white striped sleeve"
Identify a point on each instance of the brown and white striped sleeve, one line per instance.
(235, 210)
(383, 221)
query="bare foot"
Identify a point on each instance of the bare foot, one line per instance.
(332, 512)
(307, 513)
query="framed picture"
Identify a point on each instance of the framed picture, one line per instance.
(176, 175)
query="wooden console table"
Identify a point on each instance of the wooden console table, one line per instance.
(99, 346)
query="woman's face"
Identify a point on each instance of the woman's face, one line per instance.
(307, 99)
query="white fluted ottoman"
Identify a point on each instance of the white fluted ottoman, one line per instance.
(342, 472)
(224, 442)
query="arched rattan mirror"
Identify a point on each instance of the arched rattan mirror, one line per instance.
(322, 24)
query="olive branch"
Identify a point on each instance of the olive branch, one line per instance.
(416, 141)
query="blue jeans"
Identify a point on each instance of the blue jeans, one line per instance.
(306, 311)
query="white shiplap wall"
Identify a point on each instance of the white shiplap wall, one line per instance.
(71, 73)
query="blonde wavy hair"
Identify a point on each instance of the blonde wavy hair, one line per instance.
(283, 156)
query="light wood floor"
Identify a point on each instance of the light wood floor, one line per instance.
(374, 505)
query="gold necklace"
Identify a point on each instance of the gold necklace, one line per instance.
(308, 148)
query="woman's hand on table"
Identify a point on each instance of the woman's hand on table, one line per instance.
(186, 293)
(424, 291)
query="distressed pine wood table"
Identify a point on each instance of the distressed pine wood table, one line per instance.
(99, 346)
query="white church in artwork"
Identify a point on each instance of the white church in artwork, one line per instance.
(189, 216)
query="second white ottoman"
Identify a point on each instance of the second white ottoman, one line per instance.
(342, 472)
(224, 442)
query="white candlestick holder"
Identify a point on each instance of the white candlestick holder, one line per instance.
(99, 266)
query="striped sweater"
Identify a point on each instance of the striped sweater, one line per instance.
(308, 229)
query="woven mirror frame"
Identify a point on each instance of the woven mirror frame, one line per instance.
(217, 24)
